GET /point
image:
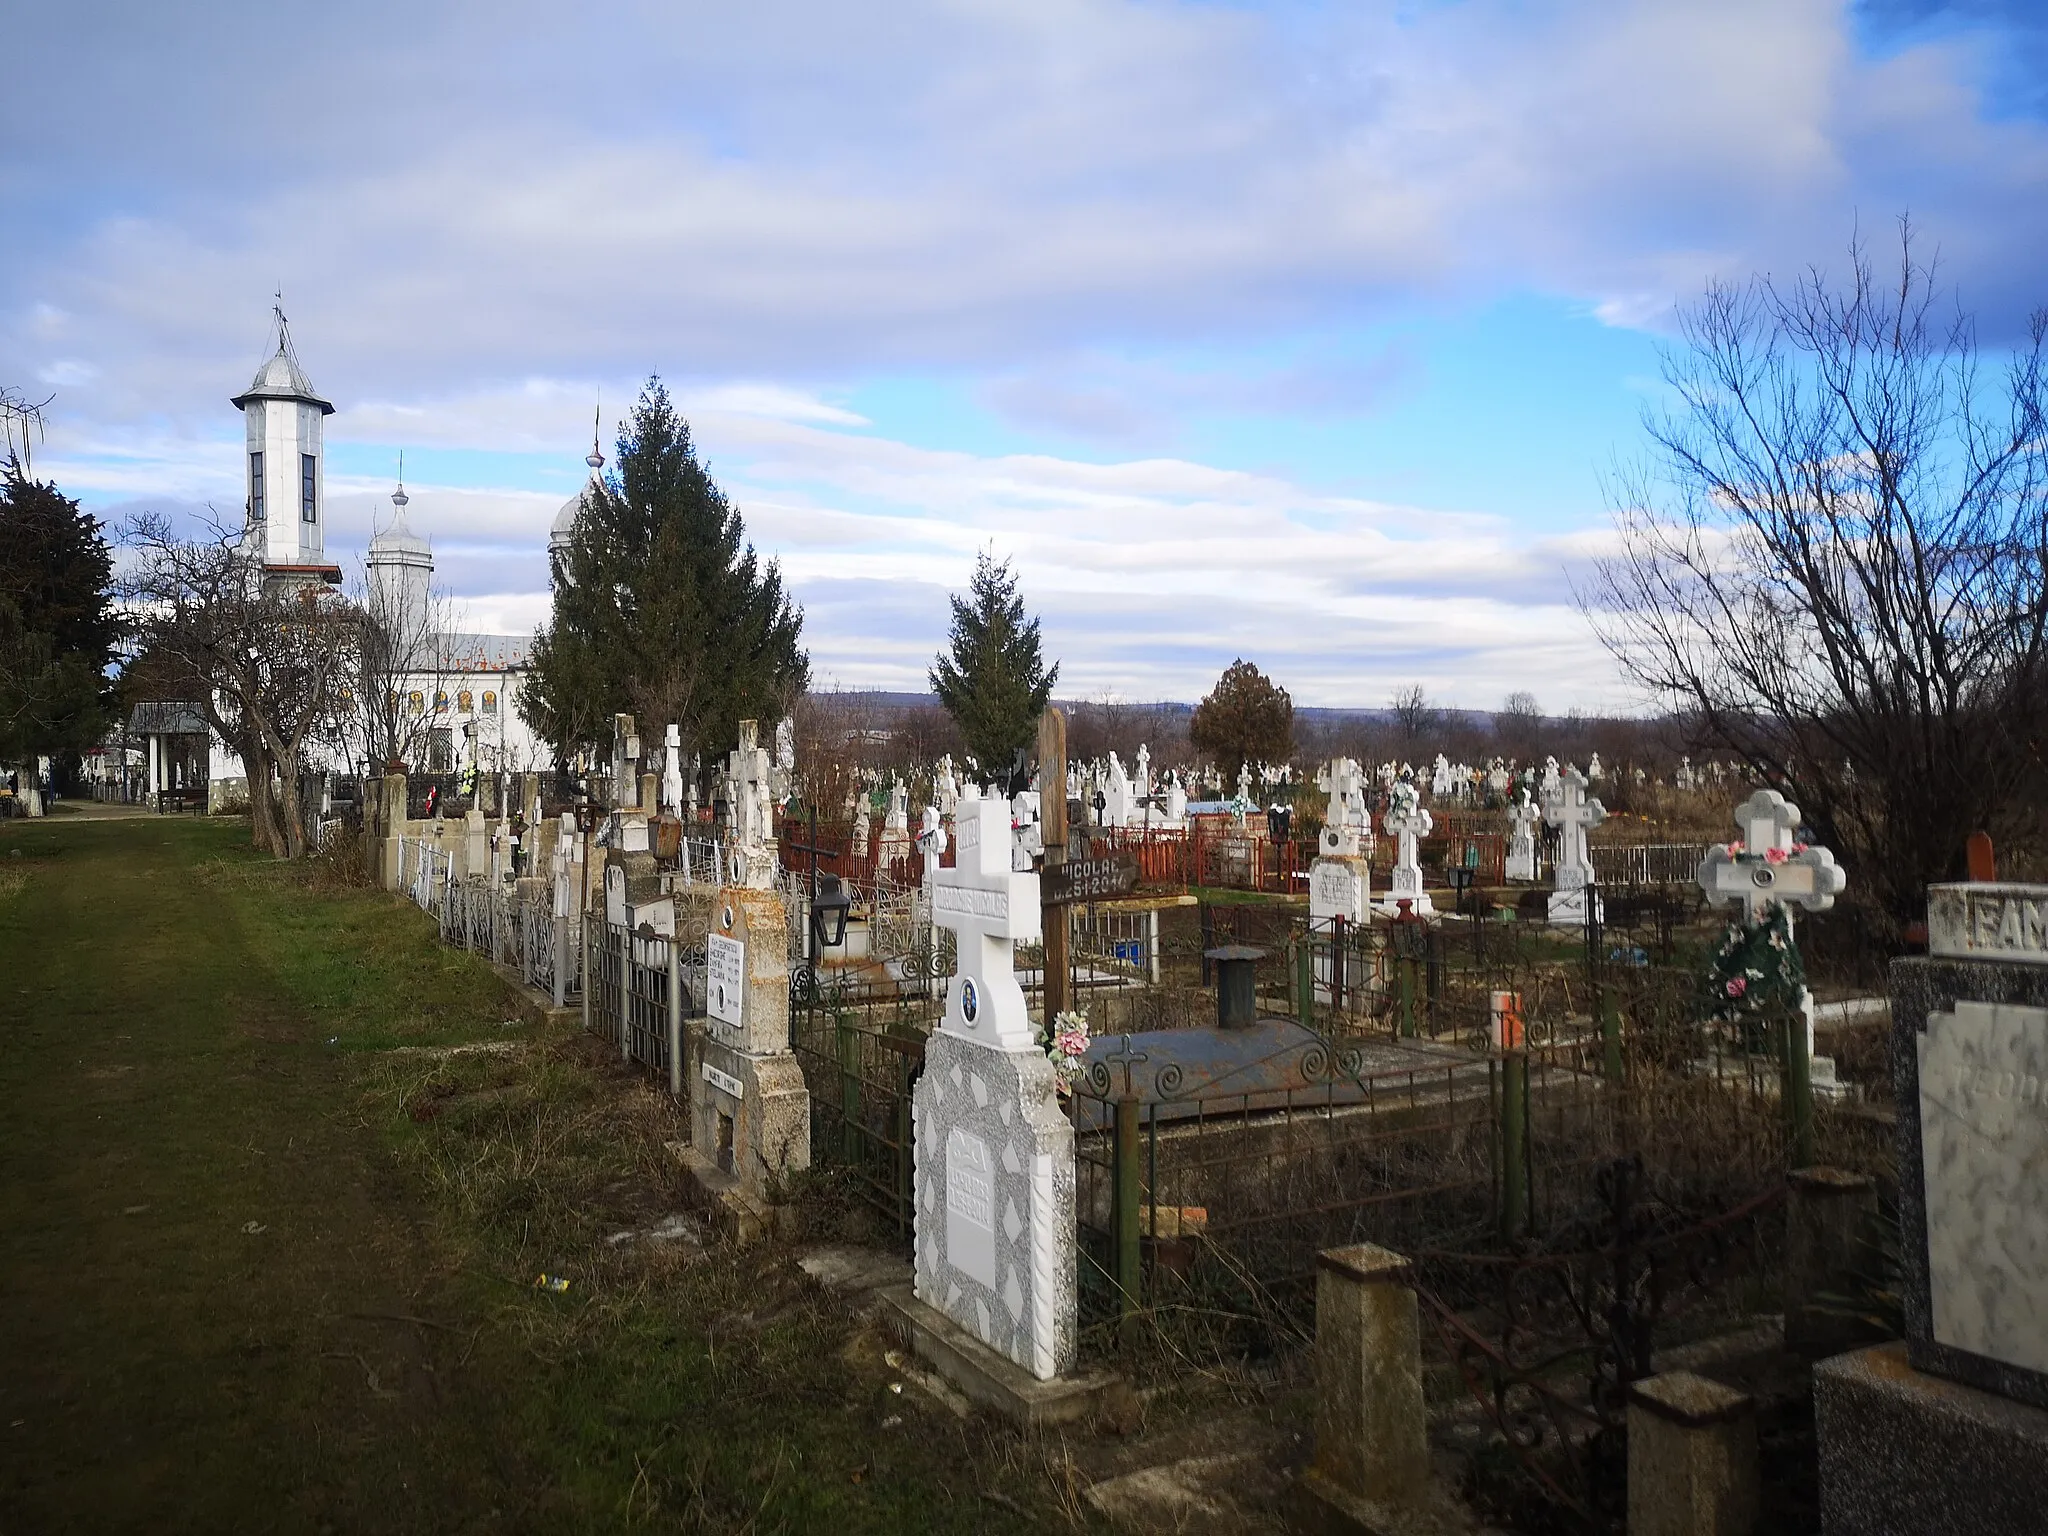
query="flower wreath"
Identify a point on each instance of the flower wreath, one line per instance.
(1066, 1046)
(1755, 971)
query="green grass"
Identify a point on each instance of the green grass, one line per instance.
(263, 1272)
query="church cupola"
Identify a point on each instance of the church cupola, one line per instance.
(565, 520)
(285, 467)
(401, 574)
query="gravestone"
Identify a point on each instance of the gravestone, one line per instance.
(1340, 880)
(1176, 813)
(1408, 821)
(750, 1114)
(1574, 813)
(1767, 868)
(1521, 861)
(750, 831)
(1119, 796)
(476, 846)
(672, 770)
(994, 1179)
(1949, 1431)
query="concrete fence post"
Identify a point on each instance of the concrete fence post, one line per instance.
(1825, 1211)
(1371, 1430)
(1692, 1458)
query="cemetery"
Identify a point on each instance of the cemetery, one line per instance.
(623, 1074)
(1462, 1026)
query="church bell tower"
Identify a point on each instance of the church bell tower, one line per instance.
(285, 468)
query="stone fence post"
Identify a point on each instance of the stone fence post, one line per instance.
(1692, 1458)
(1371, 1446)
(1825, 1210)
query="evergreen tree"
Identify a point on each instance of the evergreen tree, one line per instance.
(58, 627)
(660, 606)
(992, 679)
(1245, 718)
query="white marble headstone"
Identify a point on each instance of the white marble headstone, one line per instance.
(1984, 1154)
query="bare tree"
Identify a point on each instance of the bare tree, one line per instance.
(400, 655)
(21, 424)
(266, 666)
(1414, 714)
(1833, 559)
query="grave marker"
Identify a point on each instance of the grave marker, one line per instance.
(994, 1176)
(1574, 813)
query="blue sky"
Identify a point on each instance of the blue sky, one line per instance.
(1303, 332)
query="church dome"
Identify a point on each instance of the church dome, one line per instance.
(281, 378)
(397, 538)
(565, 520)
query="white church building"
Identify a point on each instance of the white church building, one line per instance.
(460, 686)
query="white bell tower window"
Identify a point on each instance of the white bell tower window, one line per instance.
(255, 487)
(306, 509)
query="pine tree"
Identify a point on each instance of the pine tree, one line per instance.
(992, 679)
(58, 626)
(661, 608)
(1245, 718)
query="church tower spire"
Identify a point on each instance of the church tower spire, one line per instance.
(286, 468)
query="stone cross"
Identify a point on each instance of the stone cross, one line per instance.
(1141, 781)
(1574, 813)
(1765, 867)
(625, 761)
(750, 830)
(1522, 818)
(1345, 824)
(989, 907)
(672, 770)
(1408, 821)
(565, 862)
(1117, 795)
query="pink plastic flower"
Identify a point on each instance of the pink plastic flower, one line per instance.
(1736, 846)
(1775, 855)
(1070, 1042)
(1737, 985)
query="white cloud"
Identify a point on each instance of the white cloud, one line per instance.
(485, 217)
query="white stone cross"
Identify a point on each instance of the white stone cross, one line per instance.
(625, 762)
(1766, 867)
(1521, 862)
(1574, 813)
(1407, 820)
(990, 908)
(565, 862)
(1344, 821)
(749, 830)
(672, 770)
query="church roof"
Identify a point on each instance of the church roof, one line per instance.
(565, 520)
(397, 538)
(461, 652)
(281, 378)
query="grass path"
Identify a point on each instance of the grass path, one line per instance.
(262, 1273)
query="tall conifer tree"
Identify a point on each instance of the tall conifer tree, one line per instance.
(661, 608)
(992, 678)
(58, 626)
